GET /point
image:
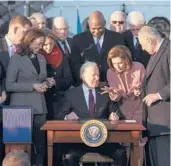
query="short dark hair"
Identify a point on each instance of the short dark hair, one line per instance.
(29, 37)
(121, 52)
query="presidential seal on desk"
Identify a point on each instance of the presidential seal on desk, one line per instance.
(93, 133)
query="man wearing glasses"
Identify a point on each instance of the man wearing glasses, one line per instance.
(61, 30)
(136, 21)
(118, 21)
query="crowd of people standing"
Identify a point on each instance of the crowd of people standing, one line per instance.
(121, 73)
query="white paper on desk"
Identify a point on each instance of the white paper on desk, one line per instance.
(130, 121)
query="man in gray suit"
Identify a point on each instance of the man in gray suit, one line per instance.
(18, 26)
(157, 95)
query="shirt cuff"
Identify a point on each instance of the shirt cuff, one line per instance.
(159, 96)
(65, 118)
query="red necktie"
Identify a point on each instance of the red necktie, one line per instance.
(91, 103)
(15, 49)
(65, 48)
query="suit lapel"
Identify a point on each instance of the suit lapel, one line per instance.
(99, 101)
(41, 63)
(27, 63)
(105, 42)
(156, 58)
(91, 40)
(82, 101)
(4, 45)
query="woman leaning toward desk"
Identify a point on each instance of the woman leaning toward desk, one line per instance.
(26, 81)
(125, 79)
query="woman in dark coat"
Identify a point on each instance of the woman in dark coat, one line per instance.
(58, 68)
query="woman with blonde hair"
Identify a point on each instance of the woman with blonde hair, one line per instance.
(125, 80)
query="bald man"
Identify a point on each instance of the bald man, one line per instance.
(94, 45)
(60, 28)
(136, 21)
(157, 95)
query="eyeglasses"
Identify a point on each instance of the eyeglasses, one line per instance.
(119, 22)
(135, 30)
(61, 29)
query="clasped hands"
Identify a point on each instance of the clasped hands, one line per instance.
(73, 116)
(42, 87)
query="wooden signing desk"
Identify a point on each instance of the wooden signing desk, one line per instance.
(118, 132)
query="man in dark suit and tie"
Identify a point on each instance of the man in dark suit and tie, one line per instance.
(61, 29)
(18, 26)
(8, 45)
(157, 95)
(85, 102)
(94, 45)
(136, 20)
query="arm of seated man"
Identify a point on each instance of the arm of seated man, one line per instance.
(71, 116)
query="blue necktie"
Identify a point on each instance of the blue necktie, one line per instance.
(137, 45)
(98, 46)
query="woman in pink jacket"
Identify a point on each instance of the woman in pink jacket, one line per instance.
(125, 80)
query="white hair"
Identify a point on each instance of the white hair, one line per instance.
(16, 158)
(38, 15)
(117, 12)
(150, 32)
(136, 18)
(58, 20)
(86, 65)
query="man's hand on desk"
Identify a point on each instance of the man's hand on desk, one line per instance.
(113, 116)
(71, 116)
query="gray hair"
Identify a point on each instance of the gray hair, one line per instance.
(16, 158)
(57, 20)
(86, 65)
(38, 15)
(136, 18)
(117, 12)
(150, 32)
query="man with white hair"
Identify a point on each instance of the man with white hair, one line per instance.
(118, 21)
(157, 95)
(39, 21)
(40, 18)
(92, 105)
(60, 28)
(16, 158)
(136, 21)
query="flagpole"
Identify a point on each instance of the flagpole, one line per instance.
(60, 10)
(79, 29)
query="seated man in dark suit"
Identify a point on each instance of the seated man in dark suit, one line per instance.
(86, 102)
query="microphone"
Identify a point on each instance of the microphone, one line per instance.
(86, 49)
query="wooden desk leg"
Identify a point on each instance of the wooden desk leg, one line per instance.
(135, 149)
(50, 147)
